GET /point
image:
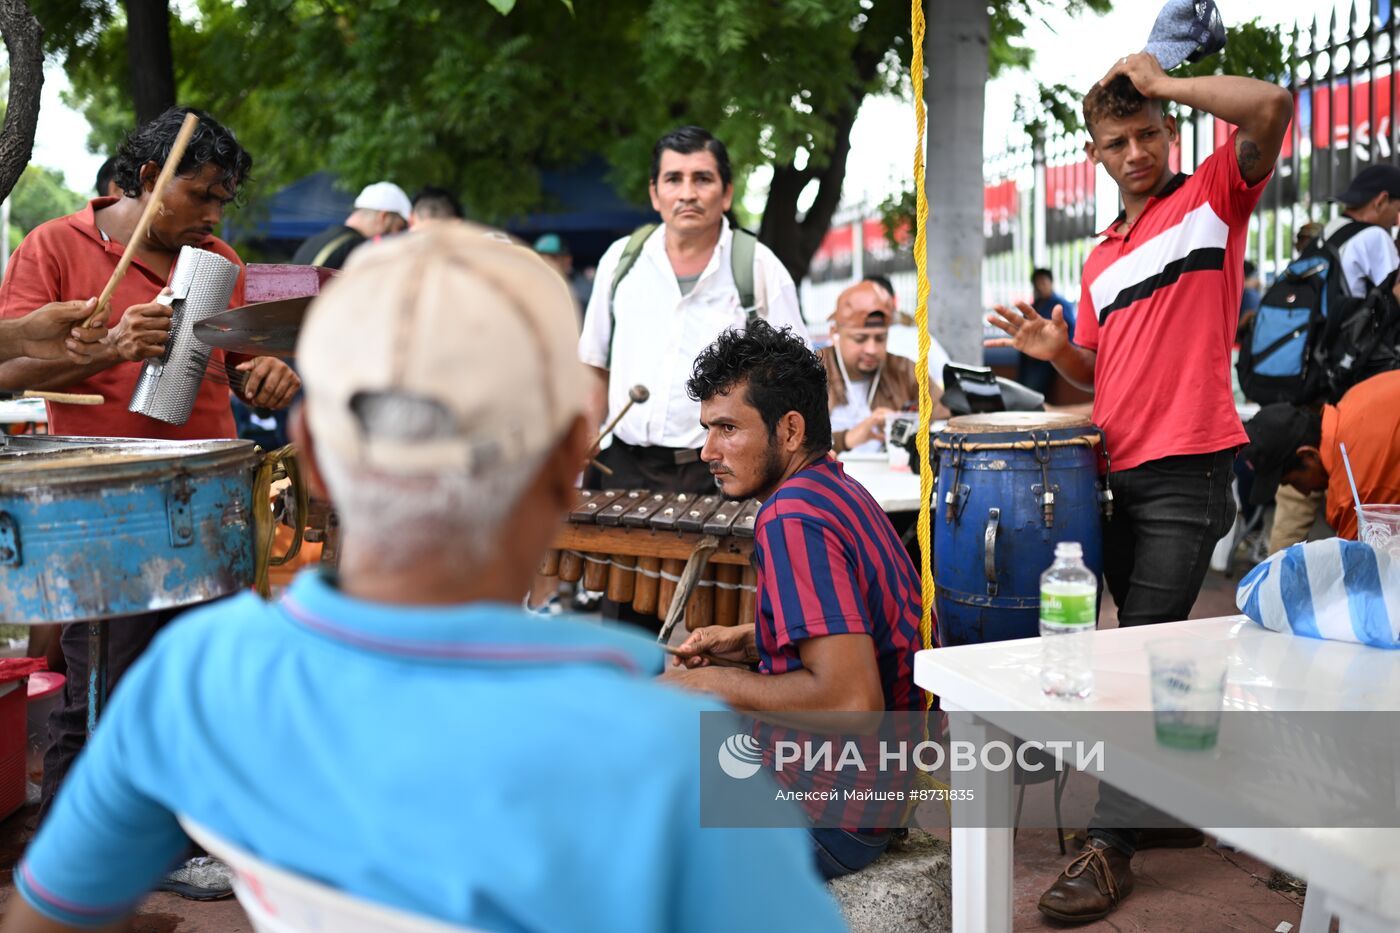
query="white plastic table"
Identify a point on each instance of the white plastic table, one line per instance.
(1352, 873)
(895, 490)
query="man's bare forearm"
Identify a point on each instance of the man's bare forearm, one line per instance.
(25, 373)
(1077, 365)
(1261, 111)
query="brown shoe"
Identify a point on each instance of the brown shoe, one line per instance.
(1091, 886)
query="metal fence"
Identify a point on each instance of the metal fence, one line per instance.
(1341, 74)
(1044, 202)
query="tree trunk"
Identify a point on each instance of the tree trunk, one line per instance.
(24, 41)
(795, 241)
(149, 59)
(956, 54)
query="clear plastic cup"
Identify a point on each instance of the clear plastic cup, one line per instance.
(1188, 691)
(1379, 526)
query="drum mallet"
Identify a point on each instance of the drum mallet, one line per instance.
(635, 395)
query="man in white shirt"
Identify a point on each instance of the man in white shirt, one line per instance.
(676, 293)
(1369, 255)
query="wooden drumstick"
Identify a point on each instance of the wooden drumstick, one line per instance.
(67, 398)
(167, 171)
(635, 395)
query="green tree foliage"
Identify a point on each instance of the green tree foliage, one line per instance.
(41, 195)
(459, 95)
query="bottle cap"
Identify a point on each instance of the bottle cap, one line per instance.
(1068, 549)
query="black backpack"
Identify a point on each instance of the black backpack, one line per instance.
(1365, 342)
(1283, 355)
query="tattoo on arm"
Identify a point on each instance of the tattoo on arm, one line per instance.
(1248, 156)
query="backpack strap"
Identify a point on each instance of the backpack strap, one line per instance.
(741, 260)
(329, 249)
(625, 262)
(1336, 240)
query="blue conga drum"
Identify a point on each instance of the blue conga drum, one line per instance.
(1011, 485)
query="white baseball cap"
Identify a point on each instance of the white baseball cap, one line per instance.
(385, 196)
(459, 317)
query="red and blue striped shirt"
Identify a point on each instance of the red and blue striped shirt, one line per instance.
(830, 563)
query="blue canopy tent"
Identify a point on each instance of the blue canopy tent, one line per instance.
(583, 209)
(279, 223)
(586, 211)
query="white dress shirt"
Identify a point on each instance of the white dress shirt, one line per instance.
(659, 332)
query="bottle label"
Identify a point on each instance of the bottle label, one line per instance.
(1067, 608)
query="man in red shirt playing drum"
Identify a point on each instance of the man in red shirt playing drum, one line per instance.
(70, 259)
(1161, 295)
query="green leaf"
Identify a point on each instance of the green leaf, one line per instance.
(502, 6)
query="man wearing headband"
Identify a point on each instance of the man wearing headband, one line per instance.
(865, 382)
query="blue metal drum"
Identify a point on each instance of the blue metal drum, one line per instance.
(1011, 485)
(93, 528)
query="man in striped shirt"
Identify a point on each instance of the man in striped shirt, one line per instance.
(837, 613)
(1157, 318)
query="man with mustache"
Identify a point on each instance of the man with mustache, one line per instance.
(837, 613)
(70, 260)
(657, 304)
(661, 296)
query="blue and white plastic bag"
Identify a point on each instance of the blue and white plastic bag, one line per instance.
(1334, 589)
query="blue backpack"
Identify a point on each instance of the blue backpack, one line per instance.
(1283, 357)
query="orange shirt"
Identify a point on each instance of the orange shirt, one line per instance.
(67, 259)
(1367, 420)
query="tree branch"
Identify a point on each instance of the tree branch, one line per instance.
(24, 42)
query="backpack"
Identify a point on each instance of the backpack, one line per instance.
(742, 255)
(1366, 342)
(1282, 358)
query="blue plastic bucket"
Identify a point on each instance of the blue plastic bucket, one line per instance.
(995, 530)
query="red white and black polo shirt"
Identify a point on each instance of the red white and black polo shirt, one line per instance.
(1159, 306)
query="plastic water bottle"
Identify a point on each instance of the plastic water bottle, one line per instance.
(1068, 611)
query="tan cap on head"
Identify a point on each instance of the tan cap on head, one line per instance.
(457, 317)
(855, 305)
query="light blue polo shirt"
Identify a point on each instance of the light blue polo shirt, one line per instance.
(474, 764)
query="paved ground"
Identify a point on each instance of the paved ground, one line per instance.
(1204, 889)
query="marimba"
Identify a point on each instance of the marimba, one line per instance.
(672, 555)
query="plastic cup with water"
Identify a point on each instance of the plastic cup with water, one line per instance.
(1379, 526)
(1188, 691)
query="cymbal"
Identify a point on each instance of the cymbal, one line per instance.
(267, 328)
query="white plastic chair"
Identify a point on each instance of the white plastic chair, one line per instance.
(278, 901)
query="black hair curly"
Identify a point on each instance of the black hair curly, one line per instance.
(1117, 99)
(152, 141)
(779, 374)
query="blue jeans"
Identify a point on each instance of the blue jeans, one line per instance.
(1167, 516)
(841, 852)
